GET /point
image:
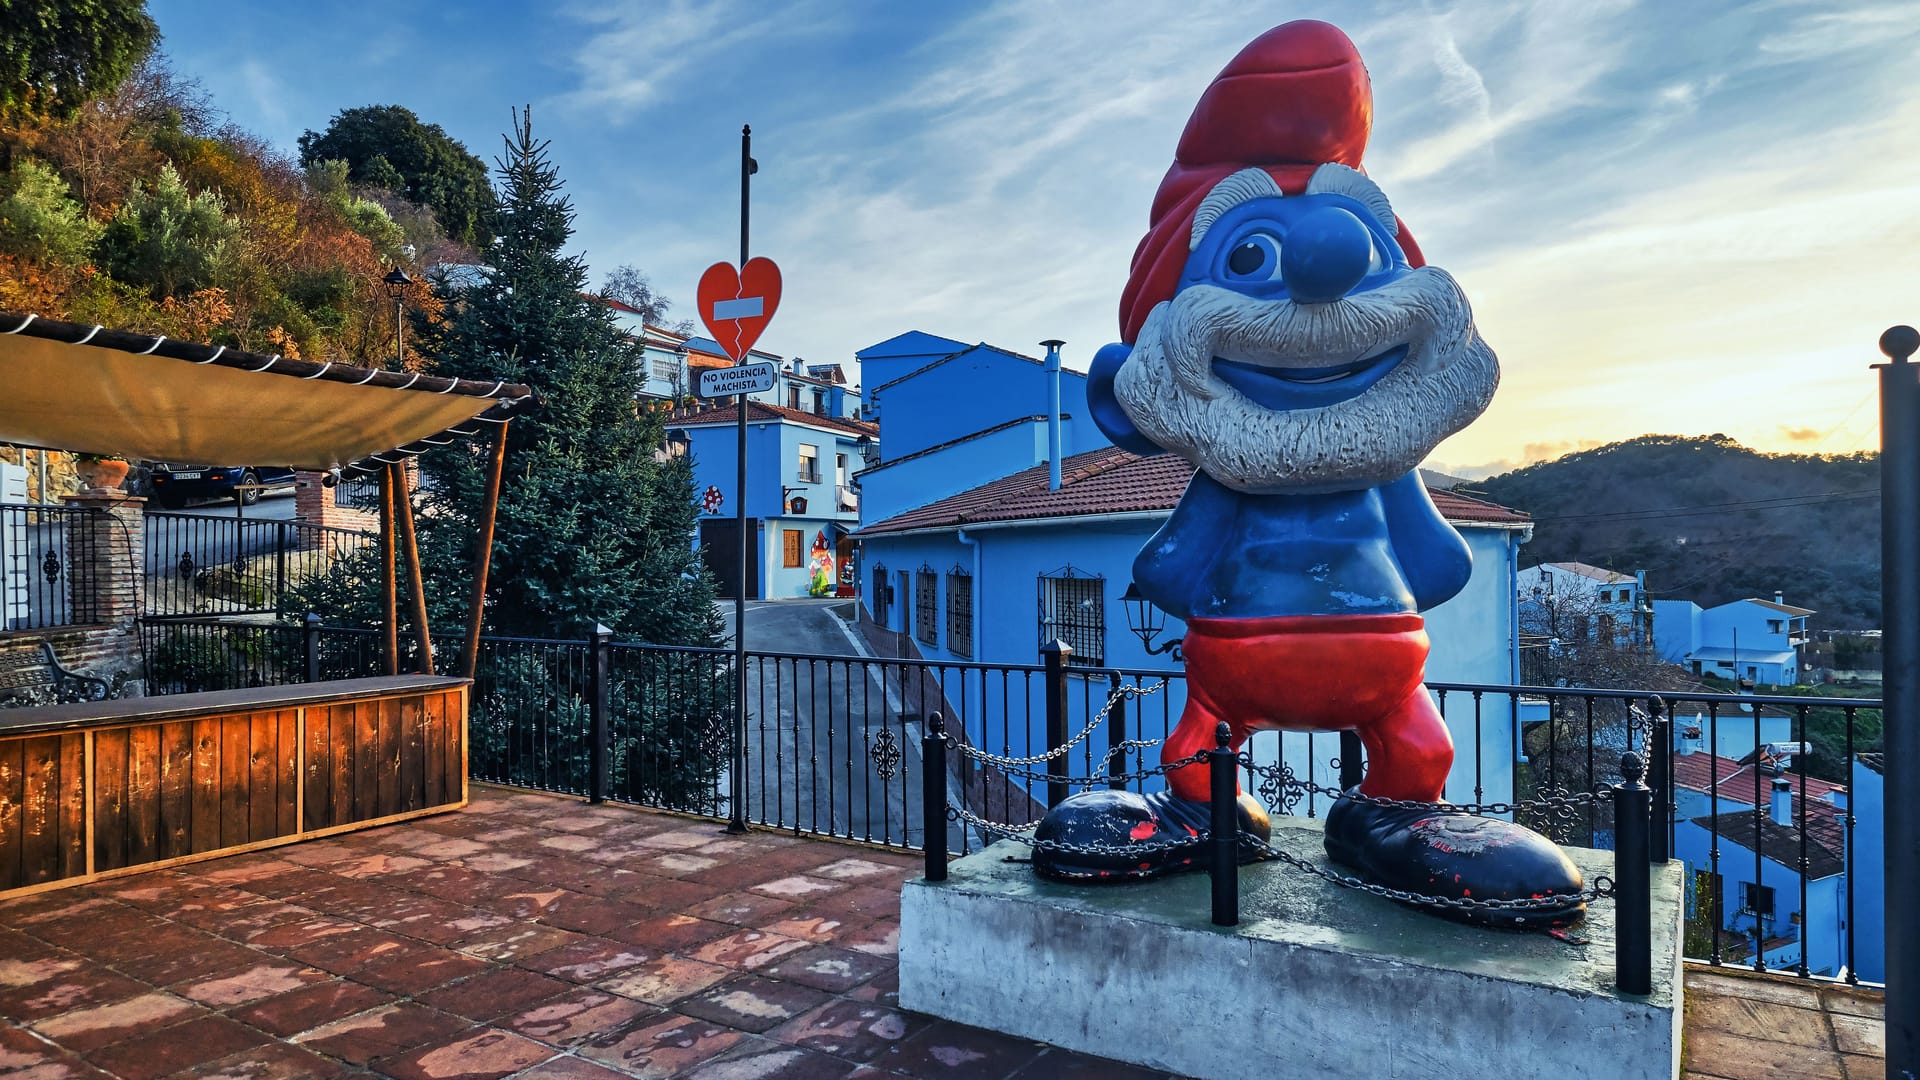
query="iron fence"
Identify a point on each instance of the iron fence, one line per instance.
(1752, 793)
(202, 565)
(44, 551)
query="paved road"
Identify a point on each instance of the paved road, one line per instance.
(814, 726)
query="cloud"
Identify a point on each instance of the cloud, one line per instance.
(1820, 34)
(268, 97)
(639, 53)
(1801, 434)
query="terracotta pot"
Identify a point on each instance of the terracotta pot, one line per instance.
(101, 475)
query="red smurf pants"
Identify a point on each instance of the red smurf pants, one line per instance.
(1315, 673)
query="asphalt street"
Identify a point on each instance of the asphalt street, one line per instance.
(824, 726)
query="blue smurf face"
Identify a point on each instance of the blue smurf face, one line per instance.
(1311, 249)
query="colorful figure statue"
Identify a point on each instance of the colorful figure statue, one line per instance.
(1284, 333)
(820, 566)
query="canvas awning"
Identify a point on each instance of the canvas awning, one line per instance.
(65, 386)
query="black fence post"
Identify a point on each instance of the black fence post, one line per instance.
(1632, 880)
(1660, 779)
(1900, 645)
(279, 567)
(933, 789)
(1116, 733)
(1054, 655)
(310, 647)
(600, 649)
(1221, 765)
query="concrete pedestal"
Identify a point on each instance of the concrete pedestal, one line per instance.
(1316, 981)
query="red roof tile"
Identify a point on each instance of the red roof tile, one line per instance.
(1111, 481)
(760, 410)
(1699, 771)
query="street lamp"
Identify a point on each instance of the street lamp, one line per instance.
(1147, 621)
(397, 282)
(869, 450)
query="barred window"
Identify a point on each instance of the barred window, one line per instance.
(1074, 610)
(960, 614)
(877, 603)
(666, 369)
(926, 607)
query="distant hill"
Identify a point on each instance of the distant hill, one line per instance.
(1711, 521)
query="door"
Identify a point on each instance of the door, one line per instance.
(720, 548)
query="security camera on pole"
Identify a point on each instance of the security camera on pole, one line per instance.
(736, 304)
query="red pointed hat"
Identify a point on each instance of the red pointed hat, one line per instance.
(1294, 99)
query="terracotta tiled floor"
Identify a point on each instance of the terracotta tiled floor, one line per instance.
(526, 936)
(1750, 1027)
(533, 936)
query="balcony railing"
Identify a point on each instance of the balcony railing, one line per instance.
(833, 748)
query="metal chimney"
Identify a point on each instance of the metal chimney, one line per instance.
(1052, 345)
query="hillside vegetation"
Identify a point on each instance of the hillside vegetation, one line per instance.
(1712, 521)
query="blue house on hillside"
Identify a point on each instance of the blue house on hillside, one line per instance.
(1870, 866)
(1000, 518)
(1750, 641)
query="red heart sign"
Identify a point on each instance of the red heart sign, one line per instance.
(736, 306)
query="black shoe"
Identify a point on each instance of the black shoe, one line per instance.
(1456, 855)
(1124, 836)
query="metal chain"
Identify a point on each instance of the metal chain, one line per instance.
(1551, 802)
(1114, 697)
(1101, 778)
(1602, 887)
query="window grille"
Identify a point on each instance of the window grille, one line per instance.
(877, 603)
(926, 606)
(1073, 608)
(361, 494)
(809, 463)
(665, 369)
(960, 614)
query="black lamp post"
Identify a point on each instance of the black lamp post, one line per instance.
(1147, 621)
(397, 282)
(869, 450)
(677, 443)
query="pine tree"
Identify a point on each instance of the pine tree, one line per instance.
(591, 527)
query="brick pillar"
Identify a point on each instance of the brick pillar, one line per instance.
(314, 504)
(107, 584)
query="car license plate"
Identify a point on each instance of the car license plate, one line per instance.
(186, 476)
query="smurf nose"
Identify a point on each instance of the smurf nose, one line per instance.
(1326, 254)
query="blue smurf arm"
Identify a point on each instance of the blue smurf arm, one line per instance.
(1433, 557)
(1108, 416)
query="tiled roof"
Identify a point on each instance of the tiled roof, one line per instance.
(1588, 570)
(1781, 843)
(760, 410)
(1784, 609)
(1110, 481)
(1698, 771)
(1875, 761)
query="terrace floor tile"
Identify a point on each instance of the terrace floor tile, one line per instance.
(491, 943)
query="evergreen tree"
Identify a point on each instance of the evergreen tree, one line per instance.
(591, 527)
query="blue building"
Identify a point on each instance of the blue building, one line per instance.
(1751, 641)
(1869, 807)
(999, 518)
(800, 501)
(1757, 877)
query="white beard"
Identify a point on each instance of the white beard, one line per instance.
(1172, 394)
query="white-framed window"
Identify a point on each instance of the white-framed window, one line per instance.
(809, 463)
(1073, 609)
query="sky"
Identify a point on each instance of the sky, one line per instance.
(1683, 218)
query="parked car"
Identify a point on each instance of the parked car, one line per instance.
(173, 485)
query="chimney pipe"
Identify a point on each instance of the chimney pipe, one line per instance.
(1779, 597)
(1782, 802)
(1052, 345)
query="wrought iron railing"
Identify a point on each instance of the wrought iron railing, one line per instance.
(44, 551)
(835, 747)
(201, 565)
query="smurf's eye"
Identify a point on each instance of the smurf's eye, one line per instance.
(1255, 258)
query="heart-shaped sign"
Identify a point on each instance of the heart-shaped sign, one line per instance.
(736, 305)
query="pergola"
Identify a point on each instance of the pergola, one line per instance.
(88, 389)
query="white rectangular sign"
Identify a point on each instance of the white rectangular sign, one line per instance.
(745, 379)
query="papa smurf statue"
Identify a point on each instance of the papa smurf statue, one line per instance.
(1283, 332)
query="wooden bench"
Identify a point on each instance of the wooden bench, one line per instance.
(24, 670)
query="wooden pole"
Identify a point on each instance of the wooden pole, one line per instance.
(483, 552)
(389, 592)
(403, 505)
